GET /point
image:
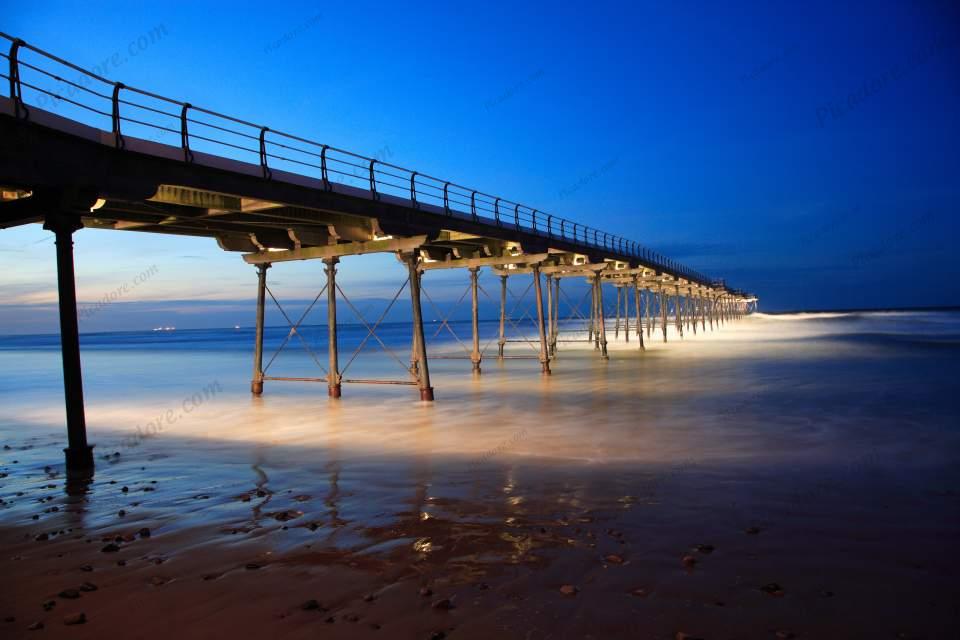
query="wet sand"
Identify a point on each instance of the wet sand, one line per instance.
(787, 477)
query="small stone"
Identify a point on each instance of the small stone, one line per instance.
(110, 548)
(484, 586)
(49, 604)
(783, 634)
(614, 559)
(69, 594)
(252, 566)
(773, 589)
(36, 626)
(158, 581)
(640, 593)
(704, 548)
(42, 537)
(87, 568)
(689, 561)
(88, 586)
(310, 605)
(826, 594)
(369, 597)
(425, 592)
(144, 533)
(125, 489)
(438, 635)
(121, 563)
(569, 590)
(444, 604)
(121, 513)
(75, 618)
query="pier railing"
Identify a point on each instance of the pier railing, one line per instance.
(38, 79)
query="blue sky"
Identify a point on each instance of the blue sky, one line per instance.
(806, 152)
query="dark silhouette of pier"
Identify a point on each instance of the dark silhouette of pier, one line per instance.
(83, 151)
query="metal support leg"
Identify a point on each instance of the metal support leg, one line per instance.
(550, 304)
(79, 454)
(475, 318)
(556, 317)
(692, 315)
(591, 334)
(626, 313)
(616, 322)
(663, 314)
(333, 375)
(651, 320)
(256, 385)
(636, 298)
(601, 324)
(503, 316)
(426, 391)
(541, 325)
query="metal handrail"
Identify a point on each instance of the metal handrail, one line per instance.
(479, 201)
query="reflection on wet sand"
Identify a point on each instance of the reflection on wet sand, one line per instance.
(737, 486)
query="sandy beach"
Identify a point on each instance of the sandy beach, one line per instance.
(789, 476)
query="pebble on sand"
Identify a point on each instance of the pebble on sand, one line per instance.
(75, 618)
(614, 559)
(69, 594)
(639, 592)
(36, 626)
(569, 590)
(110, 548)
(444, 604)
(144, 532)
(88, 586)
(689, 561)
(310, 605)
(704, 548)
(425, 592)
(773, 589)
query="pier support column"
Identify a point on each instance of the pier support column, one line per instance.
(475, 318)
(651, 320)
(256, 385)
(541, 324)
(663, 314)
(503, 316)
(592, 333)
(601, 321)
(333, 373)
(550, 304)
(692, 315)
(616, 322)
(639, 305)
(79, 454)
(677, 310)
(555, 321)
(420, 343)
(626, 313)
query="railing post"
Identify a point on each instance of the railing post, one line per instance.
(333, 375)
(16, 91)
(185, 133)
(473, 206)
(256, 385)
(373, 181)
(323, 168)
(413, 191)
(117, 136)
(263, 153)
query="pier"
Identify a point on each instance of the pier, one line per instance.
(81, 151)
